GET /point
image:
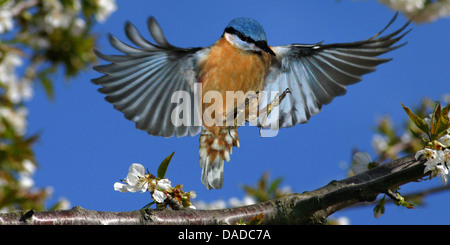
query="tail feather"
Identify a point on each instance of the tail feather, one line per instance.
(212, 173)
(216, 145)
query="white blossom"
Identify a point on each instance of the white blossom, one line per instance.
(6, 20)
(55, 17)
(433, 11)
(105, 8)
(157, 187)
(433, 156)
(63, 204)
(447, 156)
(20, 90)
(78, 26)
(406, 6)
(135, 180)
(16, 118)
(443, 172)
(29, 166)
(164, 184)
(59, 15)
(437, 162)
(6, 16)
(159, 196)
(362, 160)
(445, 140)
(26, 176)
(26, 180)
(8, 63)
(420, 10)
(192, 194)
(379, 143)
(17, 90)
(138, 180)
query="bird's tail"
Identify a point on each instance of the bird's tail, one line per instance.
(216, 144)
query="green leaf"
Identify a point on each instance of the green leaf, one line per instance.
(419, 122)
(443, 121)
(439, 122)
(445, 111)
(417, 136)
(379, 209)
(164, 165)
(435, 120)
(441, 128)
(274, 185)
(47, 83)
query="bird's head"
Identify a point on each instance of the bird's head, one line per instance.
(247, 34)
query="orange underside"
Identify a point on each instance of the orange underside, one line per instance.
(230, 69)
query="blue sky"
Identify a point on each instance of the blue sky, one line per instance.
(86, 145)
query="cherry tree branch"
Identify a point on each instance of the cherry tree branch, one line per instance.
(311, 207)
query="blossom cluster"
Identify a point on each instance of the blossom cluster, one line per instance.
(436, 133)
(420, 10)
(437, 156)
(16, 89)
(52, 15)
(438, 162)
(160, 189)
(31, 36)
(37, 31)
(58, 13)
(61, 15)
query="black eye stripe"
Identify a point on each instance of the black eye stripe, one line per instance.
(245, 38)
(241, 36)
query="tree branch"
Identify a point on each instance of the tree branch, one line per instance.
(311, 207)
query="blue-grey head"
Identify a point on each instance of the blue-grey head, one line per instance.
(248, 34)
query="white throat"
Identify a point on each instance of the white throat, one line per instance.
(238, 43)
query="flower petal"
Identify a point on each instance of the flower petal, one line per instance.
(118, 186)
(419, 153)
(135, 172)
(164, 184)
(445, 140)
(159, 196)
(192, 194)
(362, 158)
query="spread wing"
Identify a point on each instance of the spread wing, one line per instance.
(141, 82)
(317, 73)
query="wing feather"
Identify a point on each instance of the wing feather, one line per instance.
(317, 73)
(141, 82)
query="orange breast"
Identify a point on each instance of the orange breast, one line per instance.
(230, 69)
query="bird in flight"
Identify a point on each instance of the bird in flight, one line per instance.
(170, 91)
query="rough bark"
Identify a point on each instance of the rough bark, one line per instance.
(312, 207)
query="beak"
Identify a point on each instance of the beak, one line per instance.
(269, 51)
(264, 47)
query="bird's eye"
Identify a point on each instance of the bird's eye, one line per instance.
(239, 34)
(246, 38)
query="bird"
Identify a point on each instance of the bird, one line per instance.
(153, 84)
